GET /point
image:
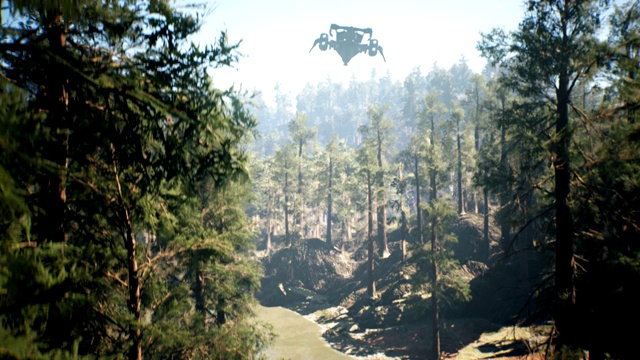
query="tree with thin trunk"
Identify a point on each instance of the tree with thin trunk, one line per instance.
(377, 132)
(476, 97)
(412, 158)
(330, 202)
(547, 56)
(366, 158)
(333, 154)
(492, 171)
(457, 117)
(417, 178)
(438, 270)
(400, 183)
(301, 133)
(268, 189)
(434, 259)
(505, 169)
(430, 116)
(283, 160)
(347, 190)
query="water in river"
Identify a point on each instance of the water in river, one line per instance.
(298, 338)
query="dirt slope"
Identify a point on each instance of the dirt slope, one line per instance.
(328, 286)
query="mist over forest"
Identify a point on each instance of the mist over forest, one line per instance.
(148, 212)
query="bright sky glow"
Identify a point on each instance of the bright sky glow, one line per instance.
(278, 34)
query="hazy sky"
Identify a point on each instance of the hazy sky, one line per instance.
(277, 35)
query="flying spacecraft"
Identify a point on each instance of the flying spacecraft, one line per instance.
(348, 42)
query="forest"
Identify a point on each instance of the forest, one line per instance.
(145, 212)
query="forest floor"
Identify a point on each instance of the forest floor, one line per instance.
(461, 339)
(328, 287)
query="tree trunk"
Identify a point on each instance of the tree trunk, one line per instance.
(459, 170)
(474, 198)
(564, 291)
(316, 227)
(432, 171)
(505, 227)
(434, 296)
(486, 247)
(382, 211)
(287, 236)
(382, 231)
(434, 265)
(476, 136)
(403, 218)
(476, 128)
(343, 234)
(418, 209)
(57, 100)
(300, 214)
(199, 291)
(329, 203)
(371, 285)
(524, 244)
(287, 233)
(135, 333)
(133, 302)
(268, 240)
(221, 315)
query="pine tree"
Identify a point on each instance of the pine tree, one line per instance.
(377, 133)
(400, 183)
(120, 135)
(549, 54)
(301, 133)
(437, 268)
(366, 159)
(335, 160)
(605, 193)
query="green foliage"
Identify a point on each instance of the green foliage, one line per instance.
(555, 65)
(112, 132)
(436, 141)
(452, 289)
(606, 201)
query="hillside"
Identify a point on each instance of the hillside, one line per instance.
(329, 287)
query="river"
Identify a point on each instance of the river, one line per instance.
(298, 338)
